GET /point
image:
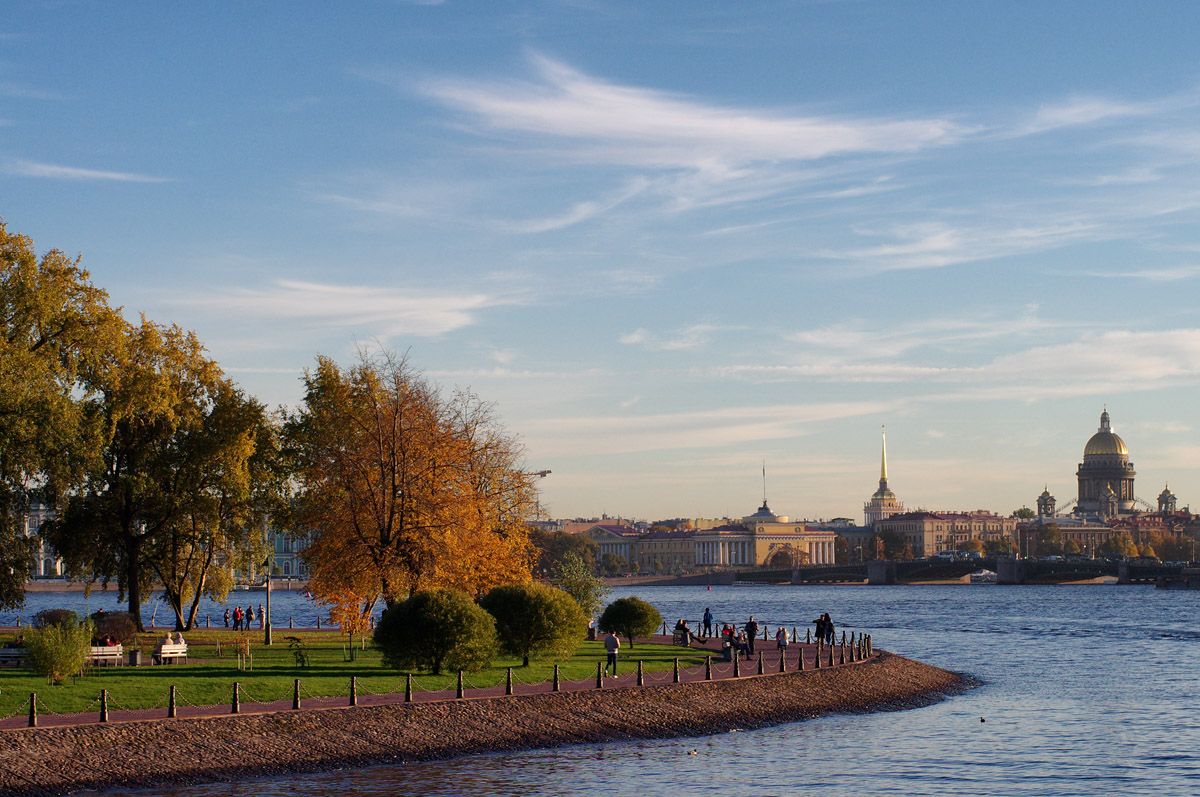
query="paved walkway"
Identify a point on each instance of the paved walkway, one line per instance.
(627, 677)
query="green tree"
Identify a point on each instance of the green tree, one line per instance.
(535, 620)
(612, 565)
(574, 577)
(1000, 546)
(973, 545)
(436, 629)
(1071, 548)
(630, 617)
(142, 512)
(553, 547)
(1024, 513)
(1049, 541)
(57, 336)
(889, 544)
(1119, 544)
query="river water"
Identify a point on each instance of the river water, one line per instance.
(1086, 690)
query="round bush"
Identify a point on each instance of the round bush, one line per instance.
(118, 625)
(60, 650)
(535, 620)
(436, 630)
(630, 617)
(48, 617)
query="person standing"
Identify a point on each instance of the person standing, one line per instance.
(612, 644)
(237, 618)
(707, 630)
(751, 633)
(227, 618)
(829, 629)
(262, 616)
(820, 624)
(781, 639)
(249, 617)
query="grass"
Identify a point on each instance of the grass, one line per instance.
(208, 677)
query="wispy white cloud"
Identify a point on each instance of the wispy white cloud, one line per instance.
(579, 212)
(1158, 274)
(371, 309)
(1078, 111)
(690, 337)
(55, 171)
(641, 126)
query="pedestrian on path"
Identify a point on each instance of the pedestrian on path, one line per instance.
(262, 616)
(829, 629)
(751, 633)
(612, 644)
(781, 639)
(707, 630)
(226, 618)
(820, 624)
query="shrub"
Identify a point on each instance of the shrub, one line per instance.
(118, 625)
(60, 650)
(436, 629)
(631, 617)
(535, 619)
(48, 617)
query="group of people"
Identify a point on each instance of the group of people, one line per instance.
(243, 619)
(741, 642)
(172, 639)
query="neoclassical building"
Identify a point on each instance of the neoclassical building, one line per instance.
(764, 539)
(1105, 475)
(883, 503)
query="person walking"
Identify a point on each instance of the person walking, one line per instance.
(781, 639)
(751, 633)
(237, 618)
(262, 616)
(249, 617)
(829, 629)
(611, 644)
(707, 630)
(227, 618)
(820, 624)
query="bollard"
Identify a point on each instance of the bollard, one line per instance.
(508, 682)
(641, 680)
(795, 638)
(664, 633)
(296, 694)
(599, 676)
(234, 706)
(290, 626)
(675, 671)
(782, 661)
(764, 634)
(171, 711)
(842, 653)
(737, 670)
(458, 691)
(318, 622)
(831, 655)
(817, 658)
(408, 687)
(32, 708)
(208, 621)
(808, 636)
(843, 637)
(354, 690)
(800, 660)
(554, 685)
(708, 668)
(104, 705)
(760, 663)
(870, 646)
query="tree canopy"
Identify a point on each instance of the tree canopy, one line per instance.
(535, 620)
(632, 617)
(435, 630)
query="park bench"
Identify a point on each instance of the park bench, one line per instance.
(105, 654)
(14, 657)
(681, 638)
(172, 652)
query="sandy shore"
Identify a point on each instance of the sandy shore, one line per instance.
(54, 761)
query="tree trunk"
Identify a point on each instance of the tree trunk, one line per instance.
(525, 660)
(133, 577)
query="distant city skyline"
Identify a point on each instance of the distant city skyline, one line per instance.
(668, 242)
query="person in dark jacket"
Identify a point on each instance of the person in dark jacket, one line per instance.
(751, 633)
(820, 624)
(829, 629)
(707, 623)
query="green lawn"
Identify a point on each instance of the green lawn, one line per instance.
(208, 678)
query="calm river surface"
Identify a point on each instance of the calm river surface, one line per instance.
(1088, 690)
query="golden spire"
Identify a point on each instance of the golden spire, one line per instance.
(883, 457)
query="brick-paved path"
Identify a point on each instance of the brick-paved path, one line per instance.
(627, 677)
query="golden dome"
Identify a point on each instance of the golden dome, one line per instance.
(1105, 442)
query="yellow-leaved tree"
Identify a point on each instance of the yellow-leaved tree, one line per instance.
(400, 488)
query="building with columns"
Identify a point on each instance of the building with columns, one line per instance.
(884, 503)
(1105, 475)
(764, 539)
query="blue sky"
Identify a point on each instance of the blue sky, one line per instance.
(670, 242)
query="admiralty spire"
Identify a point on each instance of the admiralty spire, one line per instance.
(883, 503)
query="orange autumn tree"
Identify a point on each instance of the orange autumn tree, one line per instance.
(400, 488)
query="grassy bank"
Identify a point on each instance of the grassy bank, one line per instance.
(207, 678)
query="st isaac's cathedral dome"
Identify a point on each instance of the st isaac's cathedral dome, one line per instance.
(1105, 442)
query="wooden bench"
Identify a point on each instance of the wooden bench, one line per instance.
(106, 654)
(172, 652)
(13, 657)
(681, 638)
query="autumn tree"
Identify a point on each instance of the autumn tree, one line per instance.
(535, 620)
(57, 334)
(401, 489)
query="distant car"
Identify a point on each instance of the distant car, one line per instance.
(1051, 558)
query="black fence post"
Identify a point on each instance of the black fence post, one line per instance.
(737, 670)
(354, 690)
(554, 686)
(508, 682)
(296, 694)
(33, 709)
(458, 692)
(675, 671)
(760, 663)
(783, 661)
(800, 660)
(708, 668)
(234, 706)
(599, 676)
(641, 679)
(408, 687)
(104, 705)
(171, 710)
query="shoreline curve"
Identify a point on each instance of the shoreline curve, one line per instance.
(148, 753)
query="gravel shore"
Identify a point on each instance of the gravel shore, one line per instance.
(53, 761)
